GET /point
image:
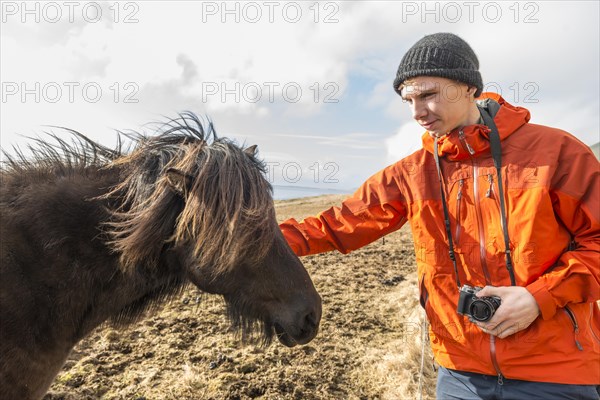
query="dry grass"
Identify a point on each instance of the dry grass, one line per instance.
(391, 369)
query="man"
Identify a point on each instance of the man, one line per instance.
(528, 232)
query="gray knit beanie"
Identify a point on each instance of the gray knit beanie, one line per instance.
(444, 55)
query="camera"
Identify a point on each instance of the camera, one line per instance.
(479, 308)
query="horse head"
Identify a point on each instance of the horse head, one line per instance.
(208, 204)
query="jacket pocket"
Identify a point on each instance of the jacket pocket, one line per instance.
(493, 194)
(423, 293)
(573, 320)
(590, 320)
(458, 229)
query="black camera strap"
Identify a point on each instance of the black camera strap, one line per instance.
(446, 213)
(497, 157)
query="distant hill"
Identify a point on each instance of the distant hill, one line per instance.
(596, 149)
(286, 192)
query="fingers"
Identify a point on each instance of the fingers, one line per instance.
(501, 331)
(494, 326)
(491, 291)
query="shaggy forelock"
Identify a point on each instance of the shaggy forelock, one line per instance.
(226, 214)
(229, 207)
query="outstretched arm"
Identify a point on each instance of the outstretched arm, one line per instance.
(374, 210)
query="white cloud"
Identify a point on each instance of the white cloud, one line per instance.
(405, 142)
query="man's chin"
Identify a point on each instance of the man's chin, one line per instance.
(437, 134)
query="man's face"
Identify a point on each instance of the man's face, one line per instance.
(439, 104)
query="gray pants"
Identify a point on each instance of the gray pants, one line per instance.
(470, 386)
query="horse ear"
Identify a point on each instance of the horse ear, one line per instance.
(178, 181)
(252, 150)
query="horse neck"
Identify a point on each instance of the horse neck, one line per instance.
(60, 278)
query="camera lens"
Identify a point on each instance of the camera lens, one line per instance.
(482, 310)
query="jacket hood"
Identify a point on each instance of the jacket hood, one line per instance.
(474, 139)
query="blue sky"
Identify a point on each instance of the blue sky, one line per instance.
(325, 113)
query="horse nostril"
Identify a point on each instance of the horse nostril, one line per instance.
(311, 320)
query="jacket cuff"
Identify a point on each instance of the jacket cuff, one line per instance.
(294, 238)
(543, 298)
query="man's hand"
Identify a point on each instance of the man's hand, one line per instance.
(518, 309)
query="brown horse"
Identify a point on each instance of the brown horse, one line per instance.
(90, 234)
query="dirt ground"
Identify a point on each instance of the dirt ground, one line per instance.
(368, 346)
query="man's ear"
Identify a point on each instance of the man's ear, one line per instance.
(179, 182)
(252, 150)
(471, 91)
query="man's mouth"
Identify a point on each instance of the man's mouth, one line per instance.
(429, 124)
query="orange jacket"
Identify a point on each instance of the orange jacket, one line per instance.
(552, 188)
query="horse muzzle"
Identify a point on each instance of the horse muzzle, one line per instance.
(298, 334)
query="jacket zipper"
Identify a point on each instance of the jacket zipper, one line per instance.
(495, 361)
(458, 202)
(575, 326)
(491, 194)
(476, 201)
(463, 140)
(484, 266)
(486, 273)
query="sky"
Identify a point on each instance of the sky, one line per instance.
(309, 82)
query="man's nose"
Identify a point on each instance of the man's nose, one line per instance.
(419, 111)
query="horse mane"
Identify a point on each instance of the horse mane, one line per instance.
(57, 156)
(225, 215)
